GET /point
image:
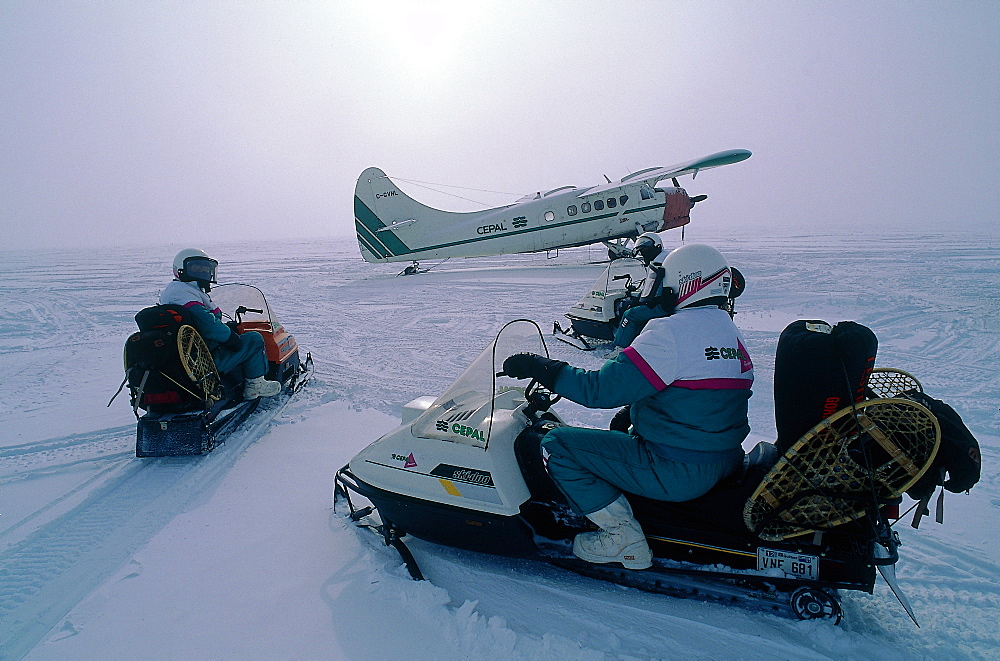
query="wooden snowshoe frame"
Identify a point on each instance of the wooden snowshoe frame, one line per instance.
(198, 363)
(888, 382)
(863, 454)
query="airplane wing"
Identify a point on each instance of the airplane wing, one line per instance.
(654, 175)
(691, 167)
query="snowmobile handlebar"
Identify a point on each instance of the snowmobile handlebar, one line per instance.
(242, 310)
(540, 398)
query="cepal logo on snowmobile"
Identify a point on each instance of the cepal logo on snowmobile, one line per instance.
(471, 432)
(408, 461)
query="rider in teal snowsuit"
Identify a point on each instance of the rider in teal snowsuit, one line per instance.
(194, 273)
(649, 250)
(687, 378)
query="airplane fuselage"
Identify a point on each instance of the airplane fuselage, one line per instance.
(393, 227)
(547, 221)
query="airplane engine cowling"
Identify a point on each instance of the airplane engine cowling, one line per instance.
(676, 210)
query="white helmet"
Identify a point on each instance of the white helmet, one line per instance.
(697, 272)
(647, 247)
(194, 265)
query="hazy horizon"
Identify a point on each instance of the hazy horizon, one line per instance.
(164, 122)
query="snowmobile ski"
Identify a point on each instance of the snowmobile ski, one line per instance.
(571, 337)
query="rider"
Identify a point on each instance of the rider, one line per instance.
(649, 250)
(687, 377)
(194, 273)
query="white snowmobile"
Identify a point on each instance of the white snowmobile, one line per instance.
(189, 406)
(787, 533)
(598, 314)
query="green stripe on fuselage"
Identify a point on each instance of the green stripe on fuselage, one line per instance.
(533, 229)
(361, 212)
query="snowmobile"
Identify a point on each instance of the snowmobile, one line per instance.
(598, 314)
(189, 406)
(788, 532)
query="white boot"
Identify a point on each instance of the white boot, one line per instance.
(258, 387)
(619, 540)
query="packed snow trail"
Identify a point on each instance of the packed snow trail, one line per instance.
(46, 574)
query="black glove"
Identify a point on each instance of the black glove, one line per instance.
(233, 326)
(234, 343)
(532, 366)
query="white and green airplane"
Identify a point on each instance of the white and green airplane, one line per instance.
(393, 227)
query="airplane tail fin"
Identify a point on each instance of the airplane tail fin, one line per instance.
(392, 226)
(376, 243)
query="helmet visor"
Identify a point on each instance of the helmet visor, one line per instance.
(200, 268)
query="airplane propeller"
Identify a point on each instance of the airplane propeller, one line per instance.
(694, 200)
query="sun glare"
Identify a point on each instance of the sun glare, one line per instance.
(424, 38)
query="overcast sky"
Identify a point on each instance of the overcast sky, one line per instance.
(159, 122)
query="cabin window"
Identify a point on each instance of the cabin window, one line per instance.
(585, 207)
(598, 205)
(549, 216)
(612, 203)
(646, 192)
(623, 199)
(571, 210)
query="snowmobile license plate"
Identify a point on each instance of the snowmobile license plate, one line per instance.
(795, 564)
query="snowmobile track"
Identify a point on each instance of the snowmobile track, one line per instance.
(45, 575)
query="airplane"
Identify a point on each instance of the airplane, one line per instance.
(393, 227)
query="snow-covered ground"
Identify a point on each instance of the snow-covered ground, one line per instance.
(238, 554)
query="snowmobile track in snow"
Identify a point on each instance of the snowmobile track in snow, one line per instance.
(46, 574)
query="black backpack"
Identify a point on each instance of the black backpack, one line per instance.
(818, 370)
(156, 378)
(958, 456)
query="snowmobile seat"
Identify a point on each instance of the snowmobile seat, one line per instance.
(721, 508)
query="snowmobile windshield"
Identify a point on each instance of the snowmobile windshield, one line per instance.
(620, 278)
(622, 273)
(247, 299)
(464, 412)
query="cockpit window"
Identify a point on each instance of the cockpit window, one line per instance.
(646, 192)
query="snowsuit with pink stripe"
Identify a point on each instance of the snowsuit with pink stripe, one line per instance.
(240, 354)
(687, 378)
